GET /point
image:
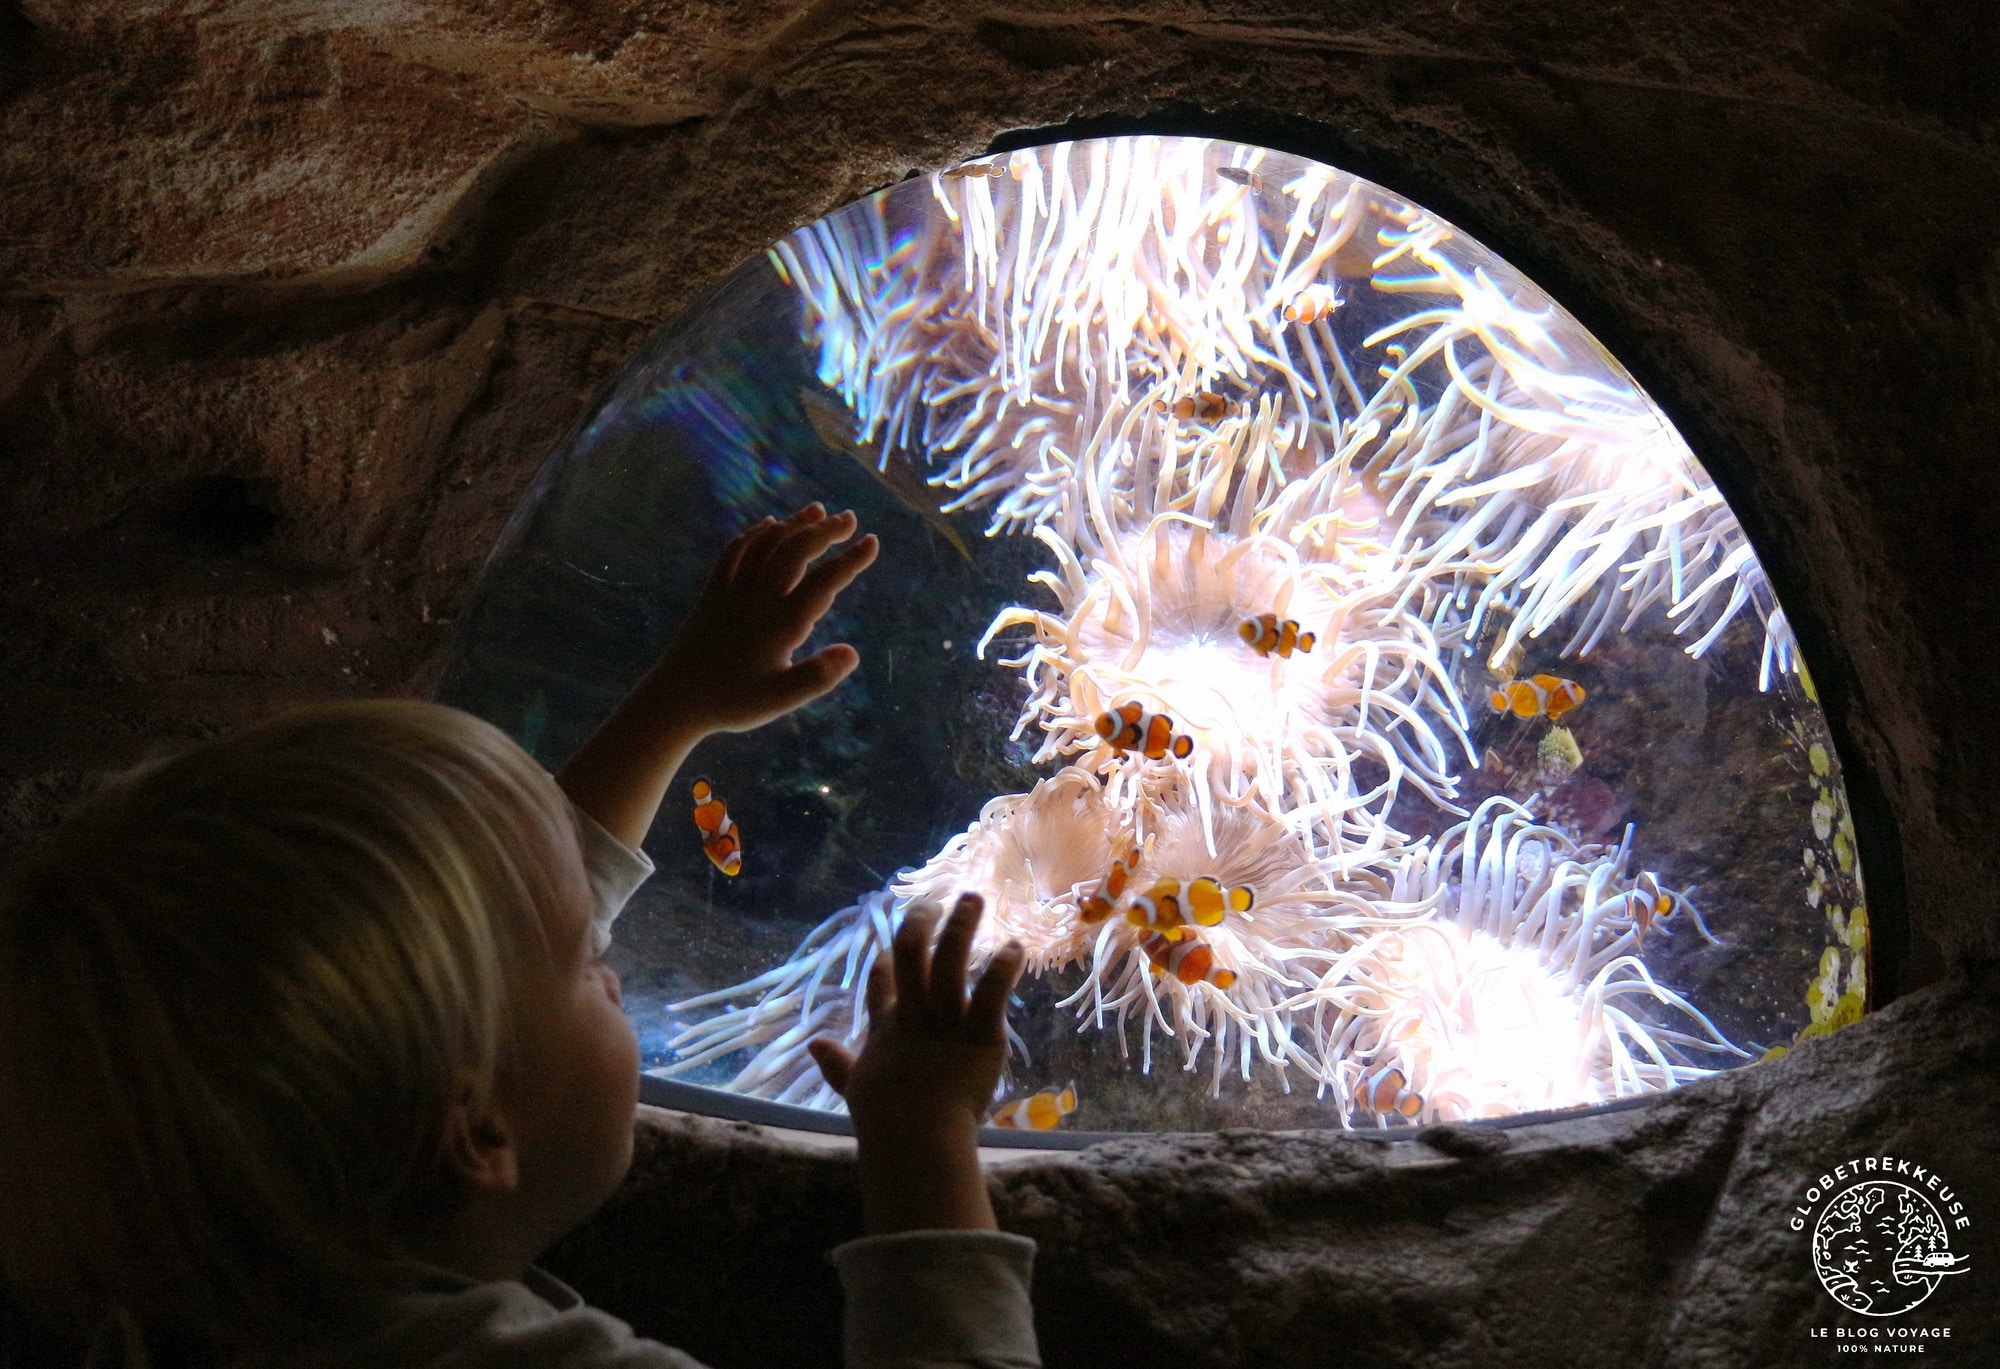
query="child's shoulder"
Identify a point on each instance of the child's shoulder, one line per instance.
(444, 1319)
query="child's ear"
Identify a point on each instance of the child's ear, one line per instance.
(479, 1144)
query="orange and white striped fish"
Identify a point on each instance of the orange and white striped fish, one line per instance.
(1312, 304)
(720, 841)
(1648, 902)
(1536, 696)
(994, 170)
(1204, 406)
(1037, 1112)
(1190, 961)
(1208, 898)
(1102, 903)
(1386, 1093)
(1132, 728)
(1267, 633)
(1160, 909)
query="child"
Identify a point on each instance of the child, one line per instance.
(307, 1048)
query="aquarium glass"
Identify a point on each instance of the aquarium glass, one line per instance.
(1329, 663)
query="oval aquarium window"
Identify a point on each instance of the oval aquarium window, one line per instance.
(1330, 663)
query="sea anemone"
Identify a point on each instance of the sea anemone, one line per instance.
(997, 337)
(1179, 544)
(1520, 991)
(1304, 916)
(1148, 352)
(818, 991)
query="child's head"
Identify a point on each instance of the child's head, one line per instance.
(297, 1002)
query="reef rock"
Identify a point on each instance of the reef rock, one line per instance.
(1660, 1234)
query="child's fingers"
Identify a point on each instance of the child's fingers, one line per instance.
(986, 1013)
(805, 681)
(727, 564)
(881, 990)
(823, 583)
(772, 533)
(787, 560)
(835, 1062)
(757, 550)
(911, 950)
(954, 951)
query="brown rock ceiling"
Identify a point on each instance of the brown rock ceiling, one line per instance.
(295, 296)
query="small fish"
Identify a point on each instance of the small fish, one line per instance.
(1101, 904)
(1385, 1094)
(1132, 728)
(1648, 902)
(1208, 898)
(1266, 633)
(1238, 176)
(1537, 695)
(720, 841)
(835, 427)
(993, 170)
(1160, 909)
(1312, 304)
(1037, 1112)
(1204, 406)
(1189, 961)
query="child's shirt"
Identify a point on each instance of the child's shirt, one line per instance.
(917, 1300)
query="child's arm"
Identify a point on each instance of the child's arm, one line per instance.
(729, 667)
(926, 1075)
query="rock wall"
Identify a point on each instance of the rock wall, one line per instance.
(1655, 1236)
(294, 296)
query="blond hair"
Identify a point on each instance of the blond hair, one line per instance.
(239, 992)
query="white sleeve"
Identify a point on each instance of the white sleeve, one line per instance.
(939, 1300)
(615, 872)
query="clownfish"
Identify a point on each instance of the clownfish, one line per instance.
(1266, 633)
(1189, 961)
(1160, 909)
(1204, 407)
(1384, 1093)
(976, 169)
(1238, 176)
(1536, 695)
(1312, 304)
(720, 841)
(1207, 899)
(1101, 904)
(1648, 902)
(1132, 728)
(1037, 1112)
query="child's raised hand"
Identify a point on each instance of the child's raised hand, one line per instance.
(728, 669)
(926, 1073)
(762, 601)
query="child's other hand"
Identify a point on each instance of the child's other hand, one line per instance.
(926, 1074)
(733, 652)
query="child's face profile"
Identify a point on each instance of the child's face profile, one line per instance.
(575, 1090)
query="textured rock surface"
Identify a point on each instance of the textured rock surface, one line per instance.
(294, 296)
(1654, 1236)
